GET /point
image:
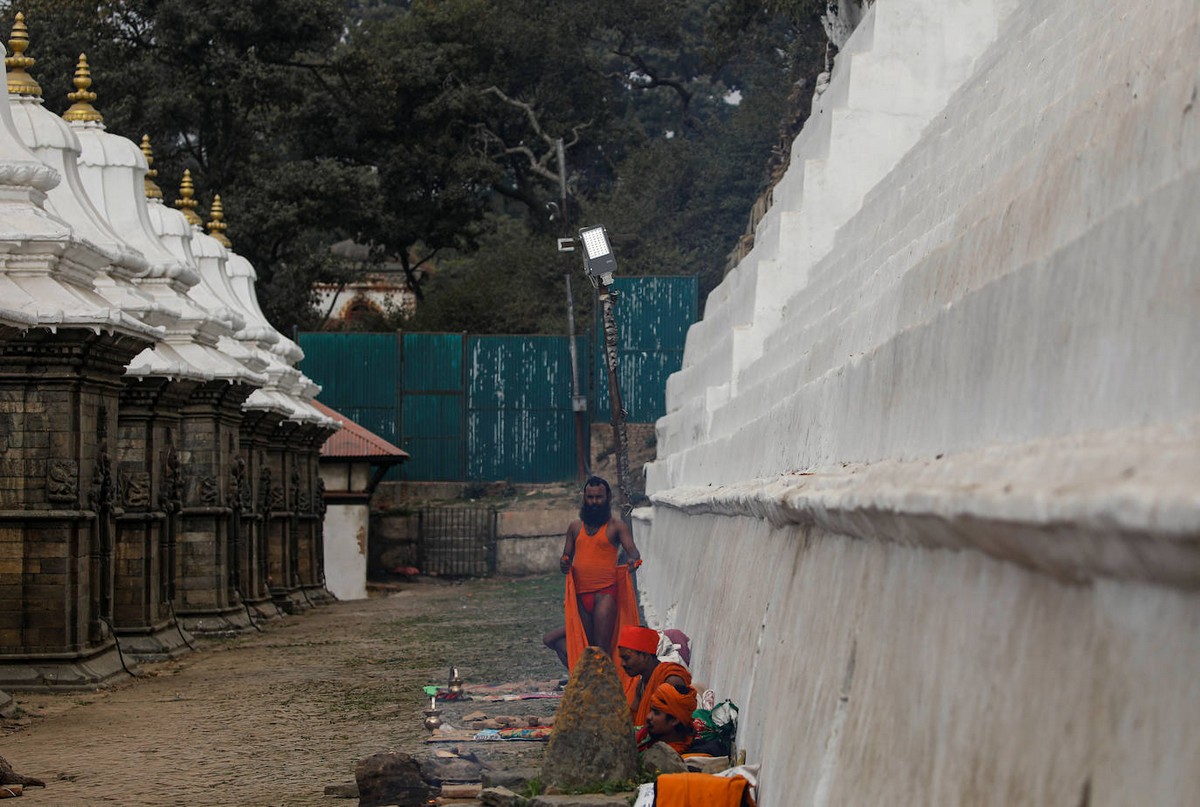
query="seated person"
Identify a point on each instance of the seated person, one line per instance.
(637, 647)
(669, 718)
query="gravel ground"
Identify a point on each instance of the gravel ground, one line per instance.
(271, 718)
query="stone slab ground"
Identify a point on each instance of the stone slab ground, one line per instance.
(272, 718)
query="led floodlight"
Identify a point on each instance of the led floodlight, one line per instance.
(598, 260)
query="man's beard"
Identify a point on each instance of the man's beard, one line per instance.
(595, 515)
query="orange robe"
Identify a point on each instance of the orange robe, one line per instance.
(701, 790)
(662, 672)
(627, 611)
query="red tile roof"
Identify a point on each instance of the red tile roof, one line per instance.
(354, 442)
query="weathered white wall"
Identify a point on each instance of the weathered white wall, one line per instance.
(945, 420)
(346, 550)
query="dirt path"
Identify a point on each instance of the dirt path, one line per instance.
(272, 718)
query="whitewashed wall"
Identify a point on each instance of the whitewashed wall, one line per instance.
(933, 458)
(346, 550)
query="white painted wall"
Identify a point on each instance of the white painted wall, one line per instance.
(346, 550)
(947, 413)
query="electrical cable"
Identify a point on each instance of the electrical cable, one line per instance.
(179, 627)
(117, 642)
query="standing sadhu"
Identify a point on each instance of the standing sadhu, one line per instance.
(599, 593)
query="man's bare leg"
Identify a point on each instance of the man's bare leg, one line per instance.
(604, 615)
(587, 619)
(556, 640)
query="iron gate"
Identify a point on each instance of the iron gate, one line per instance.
(457, 541)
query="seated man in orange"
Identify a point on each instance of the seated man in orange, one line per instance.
(669, 719)
(638, 648)
(599, 593)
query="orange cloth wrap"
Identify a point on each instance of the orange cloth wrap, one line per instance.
(627, 614)
(595, 563)
(635, 637)
(701, 790)
(662, 672)
(667, 699)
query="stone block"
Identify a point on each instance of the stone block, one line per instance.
(662, 758)
(390, 778)
(511, 778)
(583, 800)
(500, 797)
(439, 771)
(592, 741)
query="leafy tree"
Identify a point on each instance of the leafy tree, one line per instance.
(428, 130)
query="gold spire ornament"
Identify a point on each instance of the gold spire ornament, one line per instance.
(19, 81)
(81, 100)
(216, 223)
(185, 202)
(152, 189)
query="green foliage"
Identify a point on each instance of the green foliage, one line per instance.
(426, 130)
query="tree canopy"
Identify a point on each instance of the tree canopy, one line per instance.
(429, 131)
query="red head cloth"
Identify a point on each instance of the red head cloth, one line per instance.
(635, 637)
(667, 699)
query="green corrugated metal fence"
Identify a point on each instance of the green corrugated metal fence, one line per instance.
(520, 426)
(432, 405)
(357, 372)
(653, 315)
(499, 407)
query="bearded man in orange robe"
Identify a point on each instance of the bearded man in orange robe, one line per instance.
(599, 597)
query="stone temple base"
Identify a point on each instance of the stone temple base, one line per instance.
(319, 595)
(223, 621)
(156, 644)
(8, 706)
(61, 671)
(294, 601)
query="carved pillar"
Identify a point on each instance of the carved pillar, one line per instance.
(148, 429)
(258, 425)
(312, 515)
(205, 601)
(59, 398)
(282, 523)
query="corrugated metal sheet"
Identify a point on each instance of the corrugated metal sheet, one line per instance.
(359, 368)
(432, 406)
(432, 362)
(499, 407)
(653, 315)
(520, 426)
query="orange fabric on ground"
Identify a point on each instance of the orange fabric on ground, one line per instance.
(662, 672)
(627, 614)
(701, 790)
(594, 566)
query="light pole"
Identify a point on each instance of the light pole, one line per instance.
(599, 265)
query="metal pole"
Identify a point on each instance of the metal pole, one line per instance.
(620, 441)
(578, 402)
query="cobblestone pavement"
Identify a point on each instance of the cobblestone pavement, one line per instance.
(271, 718)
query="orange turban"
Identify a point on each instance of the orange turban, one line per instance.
(635, 637)
(668, 700)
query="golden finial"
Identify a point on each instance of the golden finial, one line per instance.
(152, 189)
(185, 202)
(216, 223)
(81, 106)
(19, 81)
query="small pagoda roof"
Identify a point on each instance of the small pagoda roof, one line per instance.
(353, 442)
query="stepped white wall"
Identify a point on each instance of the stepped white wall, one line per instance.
(944, 420)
